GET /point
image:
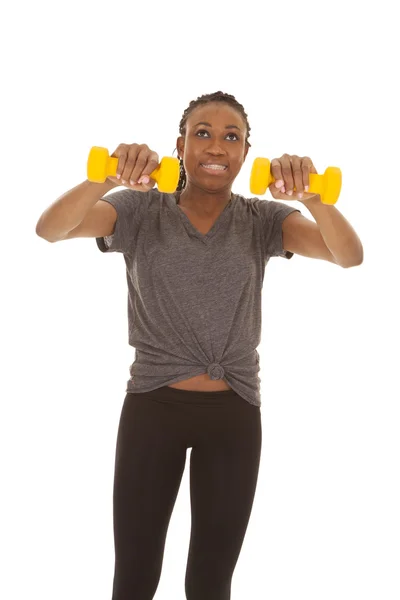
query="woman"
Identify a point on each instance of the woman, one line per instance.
(195, 265)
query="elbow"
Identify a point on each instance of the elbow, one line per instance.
(39, 230)
(353, 263)
(356, 259)
(41, 235)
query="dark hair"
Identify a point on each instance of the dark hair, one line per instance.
(205, 99)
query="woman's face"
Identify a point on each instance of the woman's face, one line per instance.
(215, 134)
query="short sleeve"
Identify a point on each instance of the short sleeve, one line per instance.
(273, 214)
(129, 207)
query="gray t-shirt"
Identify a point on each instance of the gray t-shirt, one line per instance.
(194, 300)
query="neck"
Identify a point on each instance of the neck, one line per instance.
(203, 203)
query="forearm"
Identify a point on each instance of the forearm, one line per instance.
(338, 234)
(69, 210)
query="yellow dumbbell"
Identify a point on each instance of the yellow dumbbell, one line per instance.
(328, 185)
(100, 165)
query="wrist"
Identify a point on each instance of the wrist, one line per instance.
(314, 200)
(111, 184)
(105, 186)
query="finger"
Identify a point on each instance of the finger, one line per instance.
(130, 162)
(287, 174)
(306, 166)
(139, 164)
(276, 171)
(122, 154)
(297, 174)
(152, 163)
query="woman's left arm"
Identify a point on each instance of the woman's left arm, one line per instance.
(331, 237)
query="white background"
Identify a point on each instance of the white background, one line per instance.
(316, 79)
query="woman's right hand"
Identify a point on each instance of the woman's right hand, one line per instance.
(135, 161)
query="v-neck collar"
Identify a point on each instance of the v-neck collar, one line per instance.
(204, 237)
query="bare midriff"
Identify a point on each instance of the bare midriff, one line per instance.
(201, 383)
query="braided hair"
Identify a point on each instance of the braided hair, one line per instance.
(205, 99)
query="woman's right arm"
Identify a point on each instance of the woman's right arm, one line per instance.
(78, 212)
(69, 211)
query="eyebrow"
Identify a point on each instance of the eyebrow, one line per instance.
(226, 126)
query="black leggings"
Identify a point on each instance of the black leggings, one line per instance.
(156, 428)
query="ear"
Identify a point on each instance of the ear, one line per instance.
(180, 146)
(246, 151)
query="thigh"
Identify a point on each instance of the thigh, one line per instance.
(149, 465)
(223, 478)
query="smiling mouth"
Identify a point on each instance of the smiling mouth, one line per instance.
(214, 168)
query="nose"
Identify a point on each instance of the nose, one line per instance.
(215, 148)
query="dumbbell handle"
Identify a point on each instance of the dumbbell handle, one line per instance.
(112, 166)
(328, 185)
(101, 165)
(315, 183)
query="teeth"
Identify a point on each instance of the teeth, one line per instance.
(220, 167)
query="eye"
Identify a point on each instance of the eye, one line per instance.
(205, 131)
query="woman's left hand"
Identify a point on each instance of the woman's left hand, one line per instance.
(289, 172)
